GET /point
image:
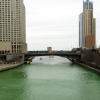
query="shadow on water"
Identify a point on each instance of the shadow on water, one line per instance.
(14, 73)
(72, 64)
(13, 84)
(83, 73)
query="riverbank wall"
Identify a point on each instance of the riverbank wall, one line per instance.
(88, 67)
(4, 67)
(97, 71)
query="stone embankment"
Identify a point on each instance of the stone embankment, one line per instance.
(4, 67)
(89, 67)
(97, 71)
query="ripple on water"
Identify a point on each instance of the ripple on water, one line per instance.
(49, 79)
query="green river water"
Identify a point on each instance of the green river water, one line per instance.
(49, 79)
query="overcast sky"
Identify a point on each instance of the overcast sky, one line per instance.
(55, 23)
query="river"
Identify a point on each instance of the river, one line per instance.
(49, 79)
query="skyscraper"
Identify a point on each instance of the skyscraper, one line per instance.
(12, 27)
(87, 26)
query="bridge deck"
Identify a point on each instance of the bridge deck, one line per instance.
(55, 54)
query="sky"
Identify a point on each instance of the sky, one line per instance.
(55, 23)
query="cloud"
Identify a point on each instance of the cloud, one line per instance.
(55, 23)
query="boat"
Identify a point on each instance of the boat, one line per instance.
(51, 56)
(41, 58)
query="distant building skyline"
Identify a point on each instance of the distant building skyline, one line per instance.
(12, 27)
(87, 24)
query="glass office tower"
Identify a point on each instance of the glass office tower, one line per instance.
(88, 29)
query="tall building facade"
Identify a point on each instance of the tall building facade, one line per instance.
(87, 24)
(12, 27)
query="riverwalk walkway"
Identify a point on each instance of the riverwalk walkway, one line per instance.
(4, 67)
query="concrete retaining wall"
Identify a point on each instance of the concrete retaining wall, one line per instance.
(4, 67)
(88, 67)
(97, 71)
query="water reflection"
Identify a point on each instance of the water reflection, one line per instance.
(13, 73)
(49, 79)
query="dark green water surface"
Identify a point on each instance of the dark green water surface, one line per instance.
(49, 79)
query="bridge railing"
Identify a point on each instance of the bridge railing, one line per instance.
(52, 51)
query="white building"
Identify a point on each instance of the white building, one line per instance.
(12, 27)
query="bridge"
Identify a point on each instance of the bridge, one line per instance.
(31, 55)
(67, 55)
(54, 54)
